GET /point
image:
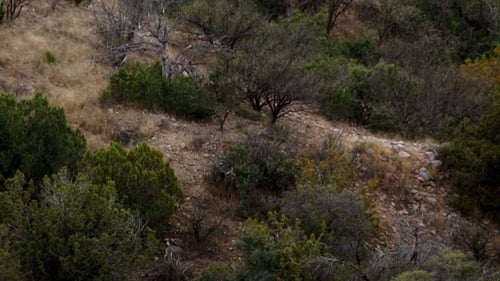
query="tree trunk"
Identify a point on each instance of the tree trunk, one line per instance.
(165, 62)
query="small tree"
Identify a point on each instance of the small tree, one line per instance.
(474, 158)
(36, 138)
(144, 181)
(274, 79)
(223, 24)
(335, 9)
(75, 231)
(224, 98)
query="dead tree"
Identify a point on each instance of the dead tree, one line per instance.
(140, 26)
(335, 9)
(13, 8)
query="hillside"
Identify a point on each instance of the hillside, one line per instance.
(409, 195)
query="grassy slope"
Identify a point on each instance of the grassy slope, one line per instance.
(74, 81)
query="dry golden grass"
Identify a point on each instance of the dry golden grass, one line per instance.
(75, 81)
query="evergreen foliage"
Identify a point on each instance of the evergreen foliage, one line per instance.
(144, 181)
(474, 157)
(145, 86)
(36, 138)
(255, 164)
(75, 231)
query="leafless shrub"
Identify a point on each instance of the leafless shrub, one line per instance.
(202, 224)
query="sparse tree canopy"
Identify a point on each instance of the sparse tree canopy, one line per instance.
(139, 26)
(271, 68)
(222, 24)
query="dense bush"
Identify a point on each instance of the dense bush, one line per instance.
(449, 265)
(144, 181)
(379, 97)
(275, 251)
(145, 86)
(35, 138)
(474, 157)
(257, 163)
(74, 231)
(363, 50)
(2, 11)
(339, 218)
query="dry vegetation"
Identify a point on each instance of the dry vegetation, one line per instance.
(75, 81)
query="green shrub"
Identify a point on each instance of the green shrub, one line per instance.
(249, 114)
(144, 181)
(363, 50)
(186, 97)
(254, 164)
(73, 231)
(339, 218)
(50, 57)
(381, 97)
(145, 86)
(474, 157)
(414, 275)
(214, 272)
(275, 251)
(453, 265)
(137, 84)
(35, 138)
(2, 11)
(383, 118)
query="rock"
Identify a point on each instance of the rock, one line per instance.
(404, 154)
(127, 136)
(436, 163)
(424, 175)
(430, 155)
(431, 200)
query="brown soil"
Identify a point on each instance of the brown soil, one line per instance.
(405, 204)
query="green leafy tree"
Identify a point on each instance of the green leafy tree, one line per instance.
(74, 231)
(144, 181)
(36, 138)
(474, 157)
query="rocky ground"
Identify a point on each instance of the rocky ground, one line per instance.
(409, 198)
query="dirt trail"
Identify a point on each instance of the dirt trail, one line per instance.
(409, 202)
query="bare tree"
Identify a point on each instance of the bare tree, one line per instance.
(221, 25)
(140, 26)
(335, 9)
(13, 8)
(223, 92)
(271, 70)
